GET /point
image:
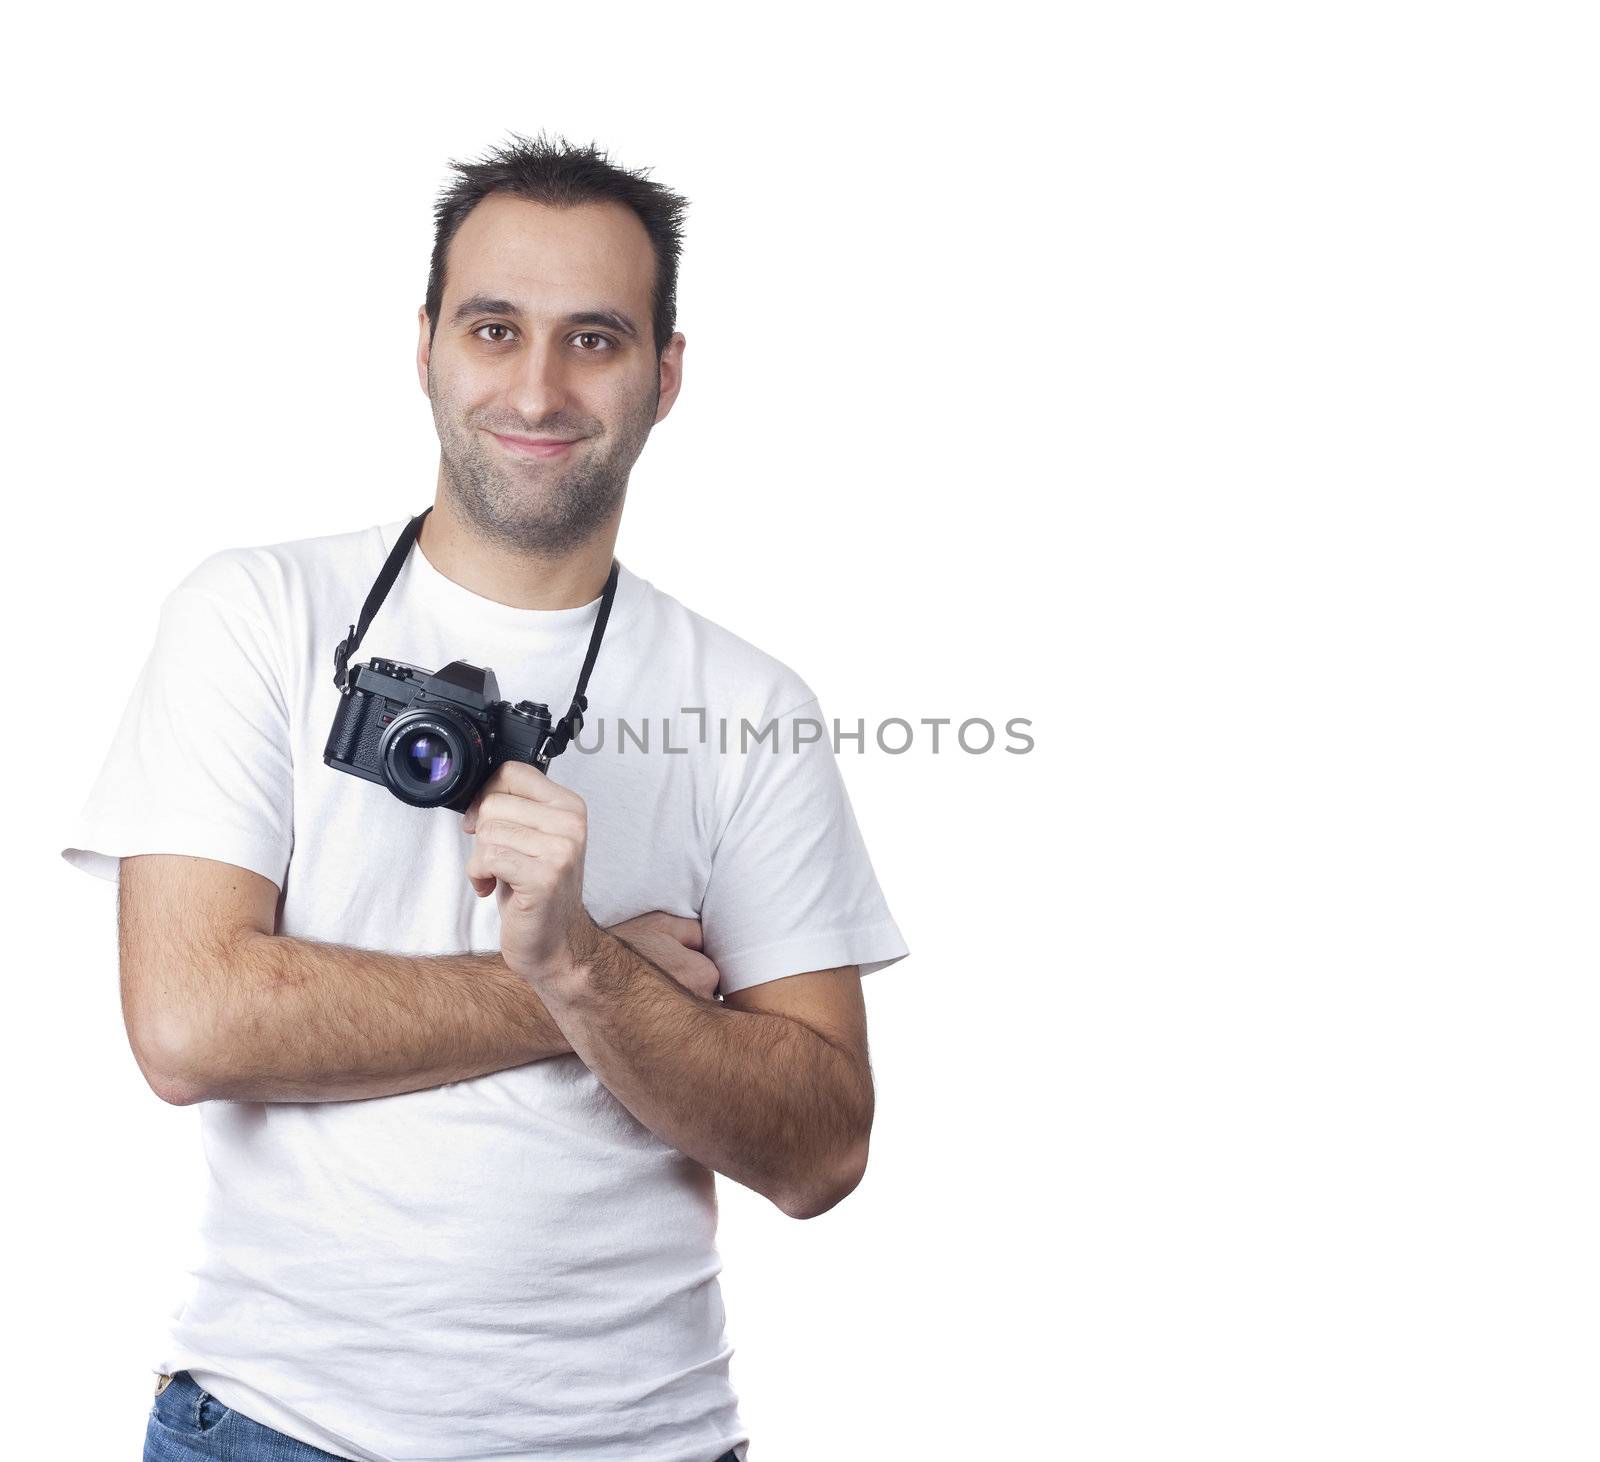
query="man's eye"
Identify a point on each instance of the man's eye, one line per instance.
(590, 335)
(495, 340)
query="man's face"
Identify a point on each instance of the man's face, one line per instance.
(545, 332)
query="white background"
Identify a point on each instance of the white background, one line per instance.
(1213, 385)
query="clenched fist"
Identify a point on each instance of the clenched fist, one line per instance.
(529, 838)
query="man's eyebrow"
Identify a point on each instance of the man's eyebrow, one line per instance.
(609, 318)
(483, 304)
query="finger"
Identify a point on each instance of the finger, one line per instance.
(508, 779)
(686, 931)
(528, 781)
(533, 842)
(531, 877)
(508, 807)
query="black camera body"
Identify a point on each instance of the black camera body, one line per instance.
(433, 737)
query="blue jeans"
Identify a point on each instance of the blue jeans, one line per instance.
(187, 1424)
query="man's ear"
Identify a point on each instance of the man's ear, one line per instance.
(423, 348)
(670, 373)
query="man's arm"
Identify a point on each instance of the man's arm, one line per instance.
(777, 1095)
(297, 1020)
(772, 1087)
(218, 1007)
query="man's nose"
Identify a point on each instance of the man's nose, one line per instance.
(538, 390)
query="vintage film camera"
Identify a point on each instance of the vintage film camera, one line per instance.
(433, 738)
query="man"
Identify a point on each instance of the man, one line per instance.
(461, 1147)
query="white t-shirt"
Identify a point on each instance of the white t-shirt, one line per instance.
(512, 1266)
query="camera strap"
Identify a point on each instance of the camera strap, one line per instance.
(564, 730)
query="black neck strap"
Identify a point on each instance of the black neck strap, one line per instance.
(564, 730)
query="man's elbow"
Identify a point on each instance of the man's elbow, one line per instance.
(829, 1188)
(164, 1063)
(175, 1091)
(174, 1084)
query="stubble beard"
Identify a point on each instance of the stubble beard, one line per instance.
(545, 509)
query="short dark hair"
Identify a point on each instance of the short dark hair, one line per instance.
(557, 173)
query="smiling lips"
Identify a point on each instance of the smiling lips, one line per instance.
(535, 446)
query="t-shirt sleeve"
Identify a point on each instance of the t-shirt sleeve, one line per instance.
(791, 888)
(201, 761)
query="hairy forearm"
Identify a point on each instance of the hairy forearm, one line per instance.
(762, 1098)
(296, 1020)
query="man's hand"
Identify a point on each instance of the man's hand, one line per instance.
(530, 835)
(672, 944)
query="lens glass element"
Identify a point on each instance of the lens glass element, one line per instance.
(429, 755)
(424, 757)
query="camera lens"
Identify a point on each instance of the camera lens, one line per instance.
(428, 754)
(424, 758)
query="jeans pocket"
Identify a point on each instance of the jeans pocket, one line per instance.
(185, 1408)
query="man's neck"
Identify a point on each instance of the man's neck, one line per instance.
(523, 581)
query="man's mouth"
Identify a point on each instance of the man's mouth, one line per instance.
(534, 446)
